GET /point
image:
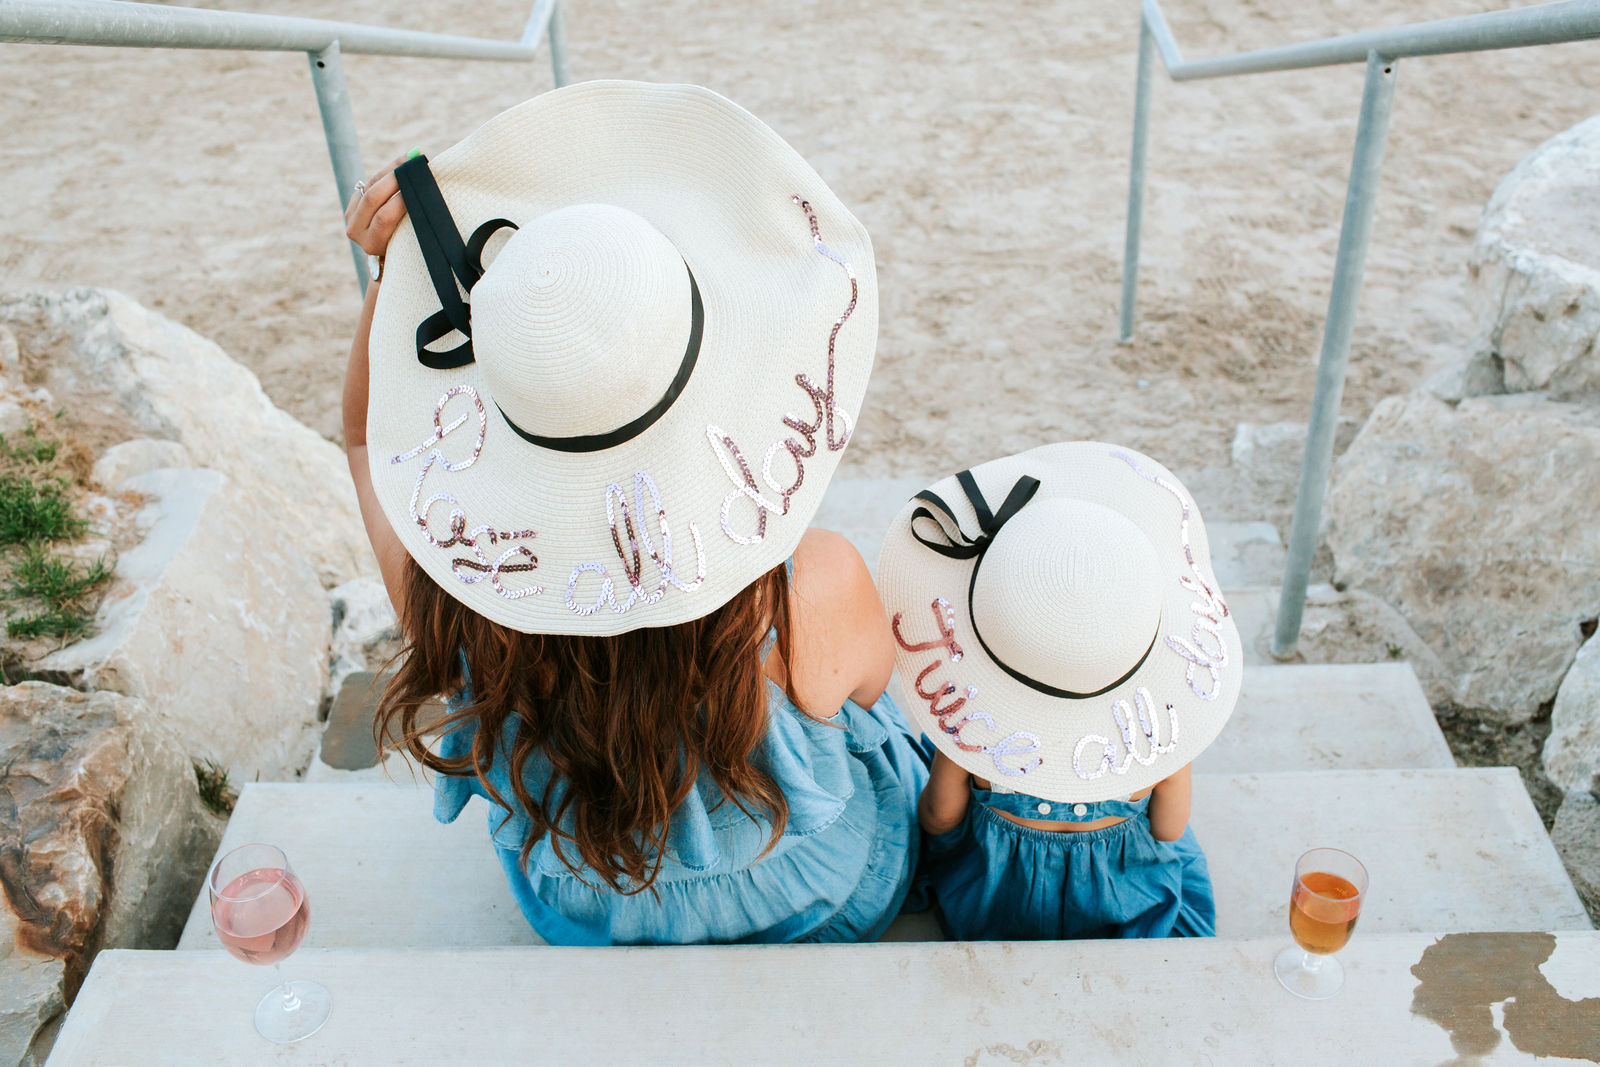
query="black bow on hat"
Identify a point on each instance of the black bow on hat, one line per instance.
(961, 546)
(449, 260)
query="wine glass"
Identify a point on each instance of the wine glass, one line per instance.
(1329, 886)
(260, 911)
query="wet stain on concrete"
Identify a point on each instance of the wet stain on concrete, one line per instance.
(1461, 975)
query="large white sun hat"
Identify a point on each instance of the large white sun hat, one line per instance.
(621, 341)
(1058, 625)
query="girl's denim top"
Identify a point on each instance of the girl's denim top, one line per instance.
(1025, 807)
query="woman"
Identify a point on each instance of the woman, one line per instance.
(670, 692)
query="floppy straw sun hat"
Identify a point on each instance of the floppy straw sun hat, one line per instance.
(622, 338)
(1059, 627)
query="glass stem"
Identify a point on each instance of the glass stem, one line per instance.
(1313, 963)
(291, 1002)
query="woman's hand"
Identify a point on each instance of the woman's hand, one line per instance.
(373, 215)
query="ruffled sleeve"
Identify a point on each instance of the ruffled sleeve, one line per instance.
(809, 760)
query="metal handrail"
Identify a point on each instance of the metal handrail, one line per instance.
(134, 25)
(1557, 23)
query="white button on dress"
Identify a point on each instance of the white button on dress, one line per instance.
(1044, 809)
(1080, 809)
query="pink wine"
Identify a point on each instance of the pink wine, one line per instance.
(267, 928)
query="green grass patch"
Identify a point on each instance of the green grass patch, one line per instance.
(215, 792)
(48, 624)
(35, 512)
(62, 584)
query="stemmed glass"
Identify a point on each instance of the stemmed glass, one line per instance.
(260, 911)
(1329, 886)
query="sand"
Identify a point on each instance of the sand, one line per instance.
(984, 146)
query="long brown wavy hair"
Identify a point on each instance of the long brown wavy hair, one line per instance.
(627, 722)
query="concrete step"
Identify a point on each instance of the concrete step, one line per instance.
(1356, 716)
(989, 1004)
(1447, 850)
(862, 508)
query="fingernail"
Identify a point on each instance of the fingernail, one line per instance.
(414, 153)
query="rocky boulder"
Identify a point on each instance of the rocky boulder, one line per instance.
(1476, 521)
(1572, 751)
(166, 382)
(103, 843)
(1263, 473)
(1535, 268)
(223, 630)
(218, 617)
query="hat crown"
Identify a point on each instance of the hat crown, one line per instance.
(581, 321)
(1069, 594)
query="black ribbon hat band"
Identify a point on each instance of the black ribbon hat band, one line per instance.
(960, 546)
(449, 260)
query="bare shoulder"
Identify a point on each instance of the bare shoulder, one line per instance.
(843, 648)
(827, 568)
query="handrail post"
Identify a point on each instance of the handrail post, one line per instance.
(1366, 166)
(339, 124)
(1141, 138)
(557, 31)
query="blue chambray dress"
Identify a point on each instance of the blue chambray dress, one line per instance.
(840, 872)
(997, 881)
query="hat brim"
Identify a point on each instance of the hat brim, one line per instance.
(718, 184)
(1078, 743)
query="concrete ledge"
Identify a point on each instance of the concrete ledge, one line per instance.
(1447, 850)
(1356, 716)
(378, 870)
(990, 1004)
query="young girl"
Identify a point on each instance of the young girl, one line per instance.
(1056, 618)
(670, 693)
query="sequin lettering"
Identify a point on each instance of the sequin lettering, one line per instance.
(1210, 608)
(480, 567)
(639, 547)
(1018, 743)
(832, 421)
(1149, 725)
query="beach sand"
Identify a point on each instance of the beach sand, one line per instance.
(984, 146)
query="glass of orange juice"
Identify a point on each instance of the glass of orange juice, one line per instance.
(1329, 886)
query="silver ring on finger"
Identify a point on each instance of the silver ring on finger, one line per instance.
(361, 190)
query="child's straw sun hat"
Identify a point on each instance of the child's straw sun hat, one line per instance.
(623, 335)
(1059, 627)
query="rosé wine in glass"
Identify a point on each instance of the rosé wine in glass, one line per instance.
(262, 927)
(1324, 904)
(260, 911)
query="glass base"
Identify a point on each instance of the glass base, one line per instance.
(1308, 976)
(293, 1018)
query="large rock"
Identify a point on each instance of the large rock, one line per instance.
(1536, 269)
(221, 629)
(1353, 626)
(32, 996)
(97, 346)
(1576, 836)
(365, 631)
(1572, 751)
(219, 619)
(1263, 474)
(1477, 522)
(103, 844)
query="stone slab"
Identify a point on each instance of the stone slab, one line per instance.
(1356, 716)
(862, 508)
(1246, 554)
(1448, 850)
(1207, 1001)
(378, 869)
